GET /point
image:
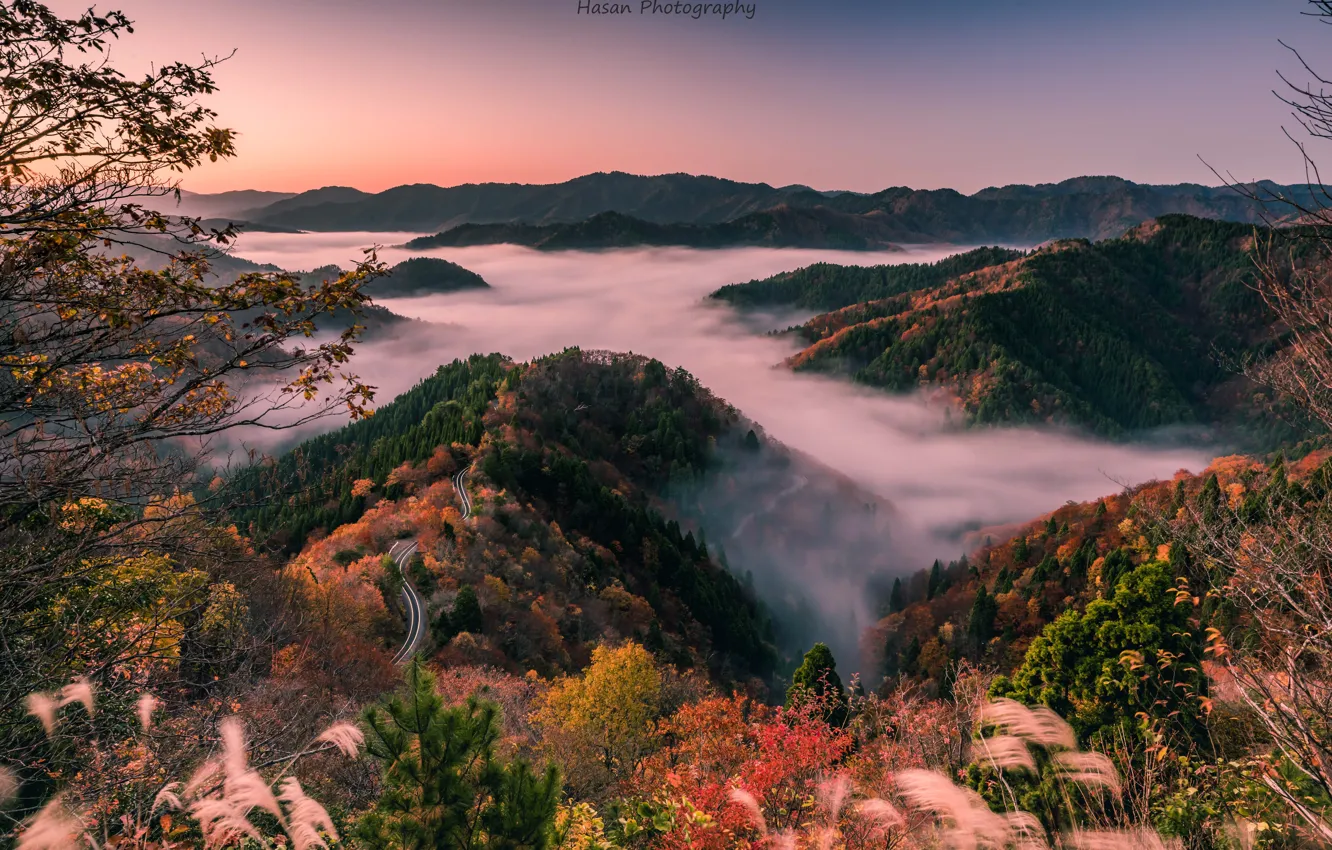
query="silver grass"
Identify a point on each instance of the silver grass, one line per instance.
(81, 691)
(52, 828)
(1039, 725)
(1008, 752)
(43, 708)
(347, 737)
(1093, 770)
(746, 799)
(146, 706)
(307, 821)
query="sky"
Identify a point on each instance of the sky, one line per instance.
(835, 94)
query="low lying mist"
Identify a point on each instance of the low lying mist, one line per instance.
(938, 479)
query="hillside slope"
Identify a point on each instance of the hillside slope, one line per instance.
(1117, 336)
(1064, 560)
(612, 497)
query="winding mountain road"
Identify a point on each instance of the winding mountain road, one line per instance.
(413, 607)
(460, 485)
(770, 505)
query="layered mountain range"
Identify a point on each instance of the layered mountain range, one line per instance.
(1084, 207)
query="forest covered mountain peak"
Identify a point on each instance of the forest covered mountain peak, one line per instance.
(1118, 336)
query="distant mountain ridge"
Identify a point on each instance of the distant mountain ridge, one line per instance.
(779, 227)
(1082, 207)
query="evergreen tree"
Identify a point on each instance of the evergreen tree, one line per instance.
(445, 787)
(466, 616)
(1101, 666)
(1179, 559)
(896, 601)
(752, 441)
(910, 660)
(1210, 499)
(421, 577)
(1046, 569)
(1115, 565)
(1021, 551)
(817, 676)
(1004, 581)
(936, 579)
(980, 624)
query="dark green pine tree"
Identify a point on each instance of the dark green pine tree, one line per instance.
(466, 616)
(1210, 499)
(980, 625)
(909, 663)
(817, 676)
(1177, 499)
(936, 579)
(1021, 551)
(896, 600)
(1179, 559)
(445, 787)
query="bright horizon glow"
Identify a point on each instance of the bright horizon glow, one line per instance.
(837, 95)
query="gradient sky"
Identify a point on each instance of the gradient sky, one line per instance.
(837, 94)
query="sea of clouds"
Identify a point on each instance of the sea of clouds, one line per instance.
(940, 478)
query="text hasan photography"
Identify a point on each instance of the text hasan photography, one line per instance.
(678, 8)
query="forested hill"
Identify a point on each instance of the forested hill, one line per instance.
(826, 286)
(1119, 335)
(779, 227)
(1056, 604)
(1090, 207)
(565, 458)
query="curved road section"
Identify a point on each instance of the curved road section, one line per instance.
(460, 485)
(414, 609)
(412, 605)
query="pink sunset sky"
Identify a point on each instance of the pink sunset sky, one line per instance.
(834, 94)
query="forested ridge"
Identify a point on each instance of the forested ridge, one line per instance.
(580, 442)
(1117, 336)
(780, 227)
(826, 286)
(312, 486)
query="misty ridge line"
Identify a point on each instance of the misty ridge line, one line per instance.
(1082, 207)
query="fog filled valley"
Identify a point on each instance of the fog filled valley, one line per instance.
(659, 510)
(943, 482)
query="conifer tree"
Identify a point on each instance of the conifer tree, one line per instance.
(1210, 498)
(896, 602)
(817, 676)
(936, 579)
(980, 624)
(466, 616)
(445, 787)
(1021, 551)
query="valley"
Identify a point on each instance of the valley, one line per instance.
(772, 433)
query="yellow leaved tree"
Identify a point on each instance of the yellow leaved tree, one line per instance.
(599, 726)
